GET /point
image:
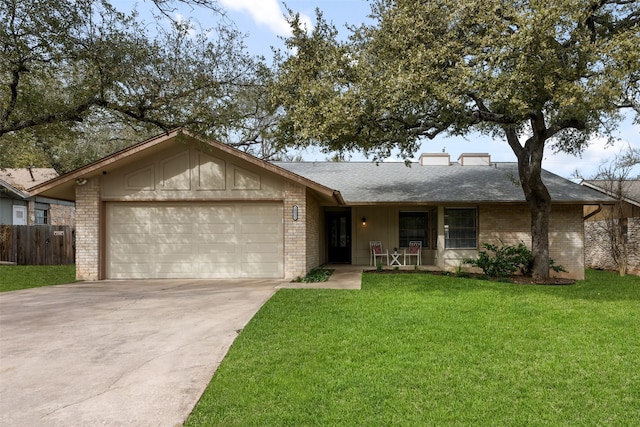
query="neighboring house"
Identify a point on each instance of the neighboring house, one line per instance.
(177, 206)
(19, 207)
(627, 210)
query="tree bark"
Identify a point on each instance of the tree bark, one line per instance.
(540, 206)
(536, 193)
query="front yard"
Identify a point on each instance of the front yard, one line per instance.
(435, 350)
(420, 349)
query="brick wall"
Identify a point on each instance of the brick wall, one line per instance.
(313, 233)
(62, 215)
(598, 250)
(566, 240)
(88, 230)
(507, 223)
(295, 238)
(512, 224)
(59, 214)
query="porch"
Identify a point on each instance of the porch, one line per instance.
(446, 235)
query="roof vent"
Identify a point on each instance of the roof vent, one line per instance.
(435, 159)
(474, 159)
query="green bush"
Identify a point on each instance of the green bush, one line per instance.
(497, 261)
(316, 275)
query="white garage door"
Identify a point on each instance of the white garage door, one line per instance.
(194, 240)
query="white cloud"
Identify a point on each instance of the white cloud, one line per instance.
(267, 13)
(597, 153)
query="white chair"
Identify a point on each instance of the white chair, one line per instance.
(415, 249)
(376, 252)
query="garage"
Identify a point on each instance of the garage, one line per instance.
(177, 206)
(194, 240)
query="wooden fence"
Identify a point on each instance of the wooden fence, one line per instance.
(37, 244)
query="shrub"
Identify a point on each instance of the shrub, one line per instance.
(316, 275)
(507, 259)
(497, 261)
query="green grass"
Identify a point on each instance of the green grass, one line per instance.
(15, 277)
(434, 350)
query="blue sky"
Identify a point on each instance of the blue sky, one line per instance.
(264, 24)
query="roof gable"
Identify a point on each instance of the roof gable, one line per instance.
(630, 188)
(63, 187)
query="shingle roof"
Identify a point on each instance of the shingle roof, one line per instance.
(630, 188)
(367, 182)
(25, 178)
(5, 186)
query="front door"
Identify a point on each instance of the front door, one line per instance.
(339, 237)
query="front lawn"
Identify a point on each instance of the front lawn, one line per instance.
(15, 277)
(434, 350)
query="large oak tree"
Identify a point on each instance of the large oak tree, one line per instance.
(79, 78)
(539, 74)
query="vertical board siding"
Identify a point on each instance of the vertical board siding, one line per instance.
(37, 244)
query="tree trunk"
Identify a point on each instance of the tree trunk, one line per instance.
(540, 206)
(538, 197)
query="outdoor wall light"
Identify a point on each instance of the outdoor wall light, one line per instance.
(294, 212)
(81, 181)
(364, 221)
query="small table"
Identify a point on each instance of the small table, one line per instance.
(395, 258)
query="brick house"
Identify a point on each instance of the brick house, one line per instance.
(19, 207)
(177, 206)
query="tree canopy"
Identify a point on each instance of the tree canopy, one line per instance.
(535, 73)
(71, 65)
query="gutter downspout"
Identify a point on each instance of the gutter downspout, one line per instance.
(597, 211)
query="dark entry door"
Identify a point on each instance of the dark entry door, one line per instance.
(339, 237)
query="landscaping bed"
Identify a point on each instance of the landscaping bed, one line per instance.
(514, 278)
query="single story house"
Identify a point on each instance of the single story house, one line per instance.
(178, 206)
(19, 207)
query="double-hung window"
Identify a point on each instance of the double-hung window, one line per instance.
(414, 226)
(460, 228)
(42, 213)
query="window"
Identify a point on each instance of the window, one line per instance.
(42, 213)
(460, 228)
(414, 226)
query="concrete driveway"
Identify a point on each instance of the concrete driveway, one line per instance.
(116, 353)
